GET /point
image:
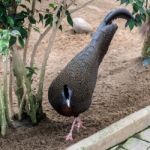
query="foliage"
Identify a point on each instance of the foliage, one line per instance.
(140, 11)
(4, 42)
(16, 22)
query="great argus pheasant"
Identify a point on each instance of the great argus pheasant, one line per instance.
(70, 93)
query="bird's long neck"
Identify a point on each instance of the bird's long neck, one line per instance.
(101, 41)
(105, 32)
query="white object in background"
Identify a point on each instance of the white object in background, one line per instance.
(81, 26)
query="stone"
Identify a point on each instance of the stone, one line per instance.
(136, 144)
(145, 135)
(81, 26)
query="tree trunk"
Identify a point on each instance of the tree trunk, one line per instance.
(4, 110)
(3, 121)
(27, 101)
(146, 45)
(10, 87)
(6, 91)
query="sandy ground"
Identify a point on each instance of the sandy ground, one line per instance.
(122, 84)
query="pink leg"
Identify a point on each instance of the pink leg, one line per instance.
(69, 135)
(76, 123)
(79, 124)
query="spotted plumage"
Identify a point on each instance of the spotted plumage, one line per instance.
(70, 93)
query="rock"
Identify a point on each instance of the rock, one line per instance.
(81, 26)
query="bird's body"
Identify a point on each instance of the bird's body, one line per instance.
(79, 70)
(71, 91)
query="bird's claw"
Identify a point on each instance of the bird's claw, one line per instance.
(79, 125)
(76, 123)
(69, 137)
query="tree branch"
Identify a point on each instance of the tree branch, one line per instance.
(49, 28)
(37, 44)
(10, 87)
(29, 32)
(21, 103)
(146, 3)
(80, 7)
(5, 89)
(48, 50)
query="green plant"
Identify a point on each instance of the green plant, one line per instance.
(13, 30)
(4, 51)
(141, 13)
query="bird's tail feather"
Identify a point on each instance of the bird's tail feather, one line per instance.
(118, 13)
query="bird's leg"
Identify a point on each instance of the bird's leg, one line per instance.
(69, 135)
(79, 124)
(76, 123)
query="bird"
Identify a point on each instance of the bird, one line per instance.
(70, 93)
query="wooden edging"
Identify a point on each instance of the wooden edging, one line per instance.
(115, 133)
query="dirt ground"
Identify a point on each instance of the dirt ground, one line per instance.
(123, 84)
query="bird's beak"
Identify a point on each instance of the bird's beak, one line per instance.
(68, 102)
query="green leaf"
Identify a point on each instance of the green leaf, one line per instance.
(36, 29)
(21, 42)
(148, 11)
(143, 17)
(12, 41)
(140, 3)
(15, 33)
(4, 42)
(148, 50)
(49, 19)
(25, 7)
(138, 19)
(22, 31)
(4, 45)
(135, 7)
(142, 10)
(21, 15)
(30, 72)
(32, 20)
(18, 1)
(1, 12)
(41, 17)
(10, 21)
(131, 24)
(69, 18)
(123, 1)
(53, 5)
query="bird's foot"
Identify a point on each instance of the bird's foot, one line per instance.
(79, 124)
(69, 137)
(76, 123)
